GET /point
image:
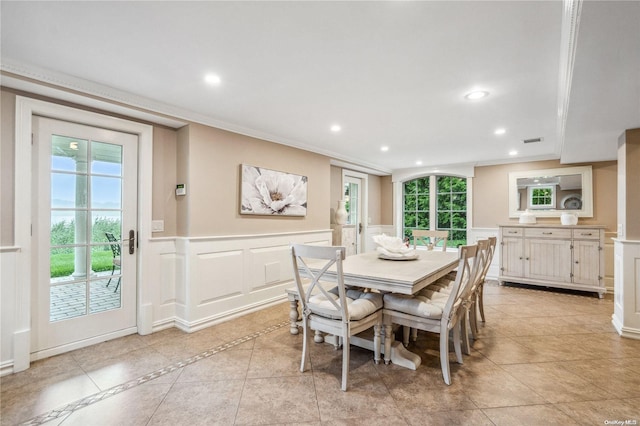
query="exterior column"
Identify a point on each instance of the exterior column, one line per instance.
(81, 216)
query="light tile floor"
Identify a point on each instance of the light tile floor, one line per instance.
(543, 358)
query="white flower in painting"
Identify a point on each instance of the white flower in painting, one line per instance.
(270, 192)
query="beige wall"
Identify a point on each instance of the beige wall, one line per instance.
(386, 200)
(491, 193)
(164, 201)
(7, 152)
(213, 183)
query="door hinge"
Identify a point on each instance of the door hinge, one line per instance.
(31, 138)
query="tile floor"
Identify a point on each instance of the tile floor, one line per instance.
(543, 358)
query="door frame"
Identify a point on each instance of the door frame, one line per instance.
(25, 109)
(364, 178)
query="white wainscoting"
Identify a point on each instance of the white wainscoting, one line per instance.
(198, 282)
(9, 280)
(475, 234)
(626, 305)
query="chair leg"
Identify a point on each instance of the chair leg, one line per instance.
(113, 268)
(480, 300)
(414, 334)
(444, 356)
(117, 285)
(405, 335)
(463, 329)
(305, 344)
(376, 343)
(458, 342)
(346, 351)
(473, 320)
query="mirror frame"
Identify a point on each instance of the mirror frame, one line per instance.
(587, 190)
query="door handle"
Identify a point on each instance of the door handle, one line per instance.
(132, 241)
(360, 228)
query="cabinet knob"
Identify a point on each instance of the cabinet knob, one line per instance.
(576, 262)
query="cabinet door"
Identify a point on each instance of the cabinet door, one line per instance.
(586, 262)
(512, 257)
(548, 259)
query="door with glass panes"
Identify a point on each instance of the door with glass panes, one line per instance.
(84, 228)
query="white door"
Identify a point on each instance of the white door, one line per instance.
(84, 285)
(353, 196)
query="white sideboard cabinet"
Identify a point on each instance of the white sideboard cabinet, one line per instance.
(553, 256)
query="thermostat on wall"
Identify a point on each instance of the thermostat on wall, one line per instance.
(181, 189)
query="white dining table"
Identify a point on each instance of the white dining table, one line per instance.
(387, 276)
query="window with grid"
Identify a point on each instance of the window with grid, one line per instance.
(541, 197)
(452, 208)
(416, 205)
(447, 212)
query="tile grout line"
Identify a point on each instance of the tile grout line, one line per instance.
(97, 397)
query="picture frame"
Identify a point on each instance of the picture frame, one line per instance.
(269, 192)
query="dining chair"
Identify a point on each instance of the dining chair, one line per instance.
(341, 311)
(437, 315)
(115, 251)
(480, 298)
(427, 237)
(442, 288)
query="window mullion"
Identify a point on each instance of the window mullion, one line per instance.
(433, 202)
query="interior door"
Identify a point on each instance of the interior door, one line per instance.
(353, 195)
(84, 229)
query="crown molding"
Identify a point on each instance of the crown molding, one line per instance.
(46, 82)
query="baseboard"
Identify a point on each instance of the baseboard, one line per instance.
(190, 327)
(6, 368)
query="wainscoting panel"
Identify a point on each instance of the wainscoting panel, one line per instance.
(218, 278)
(9, 280)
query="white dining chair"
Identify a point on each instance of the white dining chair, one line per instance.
(340, 311)
(437, 315)
(426, 237)
(480, 297)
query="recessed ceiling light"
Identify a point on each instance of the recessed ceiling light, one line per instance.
(384, 148)
(500, 131)
(476, 94)
(512, 153)
(336, 128)
(419, 163)
(213, 79)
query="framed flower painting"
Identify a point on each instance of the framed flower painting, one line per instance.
(273, 193)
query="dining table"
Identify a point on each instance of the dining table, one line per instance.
(404, 276)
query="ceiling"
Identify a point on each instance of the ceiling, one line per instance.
(391, 74)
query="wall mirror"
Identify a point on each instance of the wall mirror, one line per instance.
(551, 192)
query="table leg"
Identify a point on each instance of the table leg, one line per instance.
(294, 317)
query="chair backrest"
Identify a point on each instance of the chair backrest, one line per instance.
(466, 274)
(488, 257)
(478, 268)
(491, 249)
(430, 237)
(115, 248)
(321, 258)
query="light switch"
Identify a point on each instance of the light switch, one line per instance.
(157, 226)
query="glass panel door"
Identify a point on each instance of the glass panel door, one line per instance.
(87, 203)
